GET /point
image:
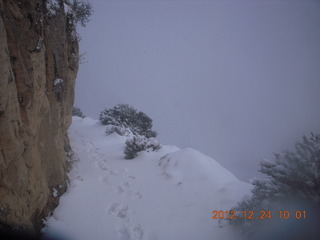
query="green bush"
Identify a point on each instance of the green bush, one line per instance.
(292, 182)
(138, 144)
(123, 116)
(82, 10)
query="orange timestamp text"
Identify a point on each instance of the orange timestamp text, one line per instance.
(258, 215)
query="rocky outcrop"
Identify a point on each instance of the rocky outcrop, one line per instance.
(38, 66)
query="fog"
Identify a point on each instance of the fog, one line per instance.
(236, 80)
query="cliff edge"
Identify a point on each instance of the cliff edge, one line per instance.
(38, 67)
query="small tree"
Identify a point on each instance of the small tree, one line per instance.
(138, 144)
(125, 116)
(122, 131)
(82, 11)
(77, 11)
(292, 181)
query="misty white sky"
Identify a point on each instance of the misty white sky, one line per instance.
(236, 80)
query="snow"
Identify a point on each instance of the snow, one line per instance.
(57, 82)
(54, 192)
(164, 195)
(39, 44)
(67, 9)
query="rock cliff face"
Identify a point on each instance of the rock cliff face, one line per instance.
(38, 66)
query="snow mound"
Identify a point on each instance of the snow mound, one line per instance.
(200, 175)
(193, 166)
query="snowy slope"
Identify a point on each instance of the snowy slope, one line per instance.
(164, 195)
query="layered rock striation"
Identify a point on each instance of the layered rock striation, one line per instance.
(38, 67)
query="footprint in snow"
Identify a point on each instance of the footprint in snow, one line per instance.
(129, 230)
(80, 178)
(101, 166)
(137, 195)
(123, 187)
(123, 233)
(113, 208)
(137, 232)
(121, 211)
(132, 231)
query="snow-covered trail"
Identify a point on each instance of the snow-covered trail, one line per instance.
(162, 195)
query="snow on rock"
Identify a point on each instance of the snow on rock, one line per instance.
(67, 8)
(54, 192)
(57, 82)
(58, 86)
(165, 195)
